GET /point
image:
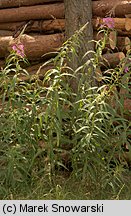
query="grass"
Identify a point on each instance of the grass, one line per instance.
(68, 188)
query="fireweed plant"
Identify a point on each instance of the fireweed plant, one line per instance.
(47, 129)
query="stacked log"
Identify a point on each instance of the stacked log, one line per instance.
(121, 23)
(118, 41)
(44, 24)
(105, 8)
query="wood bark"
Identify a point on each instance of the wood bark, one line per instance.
(102, 8)
(79, 14)
(19, 3)
(34, 46)
(32, 13)
(76, 17)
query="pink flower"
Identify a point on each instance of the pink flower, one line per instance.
(109, 22)
(19, 49)
(126, 69)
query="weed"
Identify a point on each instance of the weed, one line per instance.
(46, 128)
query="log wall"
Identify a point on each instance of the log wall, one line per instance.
(42, 23)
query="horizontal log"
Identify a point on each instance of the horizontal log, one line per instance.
(5, 33)
(122, 25)
(12, 26)
(47, 25)
(32, 13)
(119, 23)
(53, 25)
(37, 45)
(34, 46)
(112, 59)
(102, 8)
(119, 43)
(128, 15)
(19, 3)
(124, 33)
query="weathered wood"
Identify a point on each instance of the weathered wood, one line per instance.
(119, 23)
(102, 8)
(19, 3)
(48, 11)
(34, 46)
